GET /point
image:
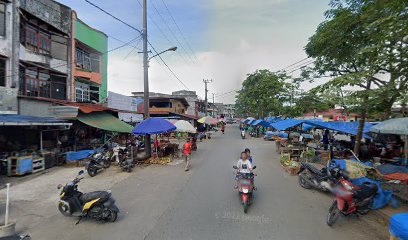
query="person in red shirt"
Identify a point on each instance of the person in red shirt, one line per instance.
(187, 153)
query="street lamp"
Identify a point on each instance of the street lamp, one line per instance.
(168, 50)
(146, 101)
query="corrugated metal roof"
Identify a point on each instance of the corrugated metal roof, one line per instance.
(22, 120)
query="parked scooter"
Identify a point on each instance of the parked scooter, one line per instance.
(243, 134)
(98, 205)
(311, 177)
(98, 161)
(245, 187)
(122, 158)
(351, 199)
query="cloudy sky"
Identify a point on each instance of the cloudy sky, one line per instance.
(221, 40)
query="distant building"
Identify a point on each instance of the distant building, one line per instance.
(165, 106)
(191, 98)
(229, 110)
(332, 115)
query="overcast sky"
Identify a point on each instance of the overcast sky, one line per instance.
(221, 40)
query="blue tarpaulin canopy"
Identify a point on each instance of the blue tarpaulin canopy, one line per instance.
(244, 121)
(153, 126)
(250, 121)
(256, 122)
(343, 127)
(261, 123)
(286, 124)
(75, 156)
(22, 120)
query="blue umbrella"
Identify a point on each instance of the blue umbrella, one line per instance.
(153, 126)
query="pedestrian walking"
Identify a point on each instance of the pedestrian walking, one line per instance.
(187, 153)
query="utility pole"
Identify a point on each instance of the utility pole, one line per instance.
(213, 105)
(146, 76)
(206, 81)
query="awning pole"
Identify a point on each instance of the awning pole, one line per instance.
(41, 140)
(406, 149)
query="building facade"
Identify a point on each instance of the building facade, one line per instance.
(90, 68)
(229, 110)
(38, 58)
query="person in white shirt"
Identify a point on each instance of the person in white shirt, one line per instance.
(243, 164)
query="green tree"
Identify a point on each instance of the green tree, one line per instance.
(362, 44)
(263, 92)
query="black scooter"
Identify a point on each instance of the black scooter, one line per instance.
(98, 161)
(98, 205)
(311, 177)
(123, 159)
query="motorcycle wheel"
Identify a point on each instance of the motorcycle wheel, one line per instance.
(64, 210)
(302, 181)
(333, 215)
(92, 171)
(245, 207)
(112, 216)
(106, 163)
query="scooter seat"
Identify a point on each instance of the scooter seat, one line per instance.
(366, 190)
(313, 169)
(86, 197)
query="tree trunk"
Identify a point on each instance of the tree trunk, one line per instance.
(360, 130)
(362, 121)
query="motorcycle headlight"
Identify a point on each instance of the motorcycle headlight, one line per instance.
(245, 190)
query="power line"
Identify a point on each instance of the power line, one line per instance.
(161, 31)
(172, 32)
(106, 12)
(294, 63)
(170, 68)
(157, 26)
(181, 33)
(73, 61)
(136, 47)
(226, 93)
(302, 66)
(125, 23)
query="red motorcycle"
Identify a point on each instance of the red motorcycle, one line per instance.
(351, 199)
(245, 187)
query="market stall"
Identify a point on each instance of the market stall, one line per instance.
(29, 144)
(394, 172)
(158, 126)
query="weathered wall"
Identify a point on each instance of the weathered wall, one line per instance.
(8, 94)
(54, 13)
(34, 108)
(56, 64)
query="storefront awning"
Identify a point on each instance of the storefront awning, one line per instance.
(105, 121)
(23, 120)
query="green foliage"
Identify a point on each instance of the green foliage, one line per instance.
(263, 92)
(363, 44)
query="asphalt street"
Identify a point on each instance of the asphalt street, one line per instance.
(164, 202)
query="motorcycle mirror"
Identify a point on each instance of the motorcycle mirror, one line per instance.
(81, 172)
(253, 167)
(234, 167)
(59, 186)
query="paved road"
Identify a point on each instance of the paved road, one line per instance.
(164, 202)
